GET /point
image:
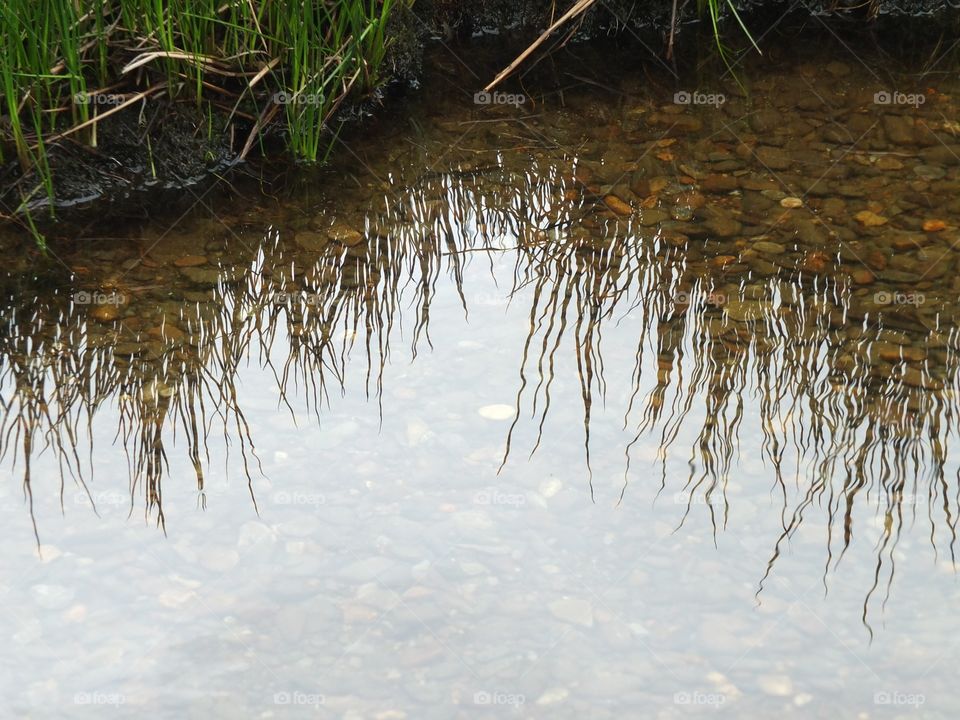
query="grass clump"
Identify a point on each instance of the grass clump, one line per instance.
(66, 65)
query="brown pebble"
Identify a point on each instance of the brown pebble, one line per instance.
(862, 276)
(107, 312)
(877, 260)
(816, 262)
(869, 218)
(617, 205)
(190, 261)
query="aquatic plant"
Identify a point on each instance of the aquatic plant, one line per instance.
(713, 9)
(67, 66)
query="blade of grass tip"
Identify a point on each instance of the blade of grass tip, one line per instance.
(743, 27)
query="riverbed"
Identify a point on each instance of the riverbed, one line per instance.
(605, 397)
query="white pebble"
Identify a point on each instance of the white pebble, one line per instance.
(779, 685)
(554, 695)
(496, 412)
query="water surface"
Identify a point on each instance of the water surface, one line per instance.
(617, 401)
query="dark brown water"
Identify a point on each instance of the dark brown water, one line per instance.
(628, 397)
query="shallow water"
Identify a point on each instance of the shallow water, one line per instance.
(601, 404)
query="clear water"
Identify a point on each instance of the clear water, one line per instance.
(446, 431)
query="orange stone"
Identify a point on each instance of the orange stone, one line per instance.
(862, 276)
(934, 225)
(721, 261)
(877, 260)
(869, 218)
(816, 262)
(617, 205)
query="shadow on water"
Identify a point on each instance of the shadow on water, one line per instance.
(756, 296)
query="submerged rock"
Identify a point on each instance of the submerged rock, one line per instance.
(572, 610)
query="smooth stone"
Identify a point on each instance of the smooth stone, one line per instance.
(617, 205)
(773, 158)
(746, 310)
(344, 234)
(895, 353)
(929, 172)
(648, 217)
(869, 218)
(210, 276)
(777, 685)
(771, 248)
(51, 597)
(838, 69)
(572, 610)
(765, 121)
(190, 261)
(553, 696)
(915, 377)
(105, 313)
(550, 487)
(899, 130)
(719, 183)
(723, 226)
(311, 241)
(497, 412)
(167, 331)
